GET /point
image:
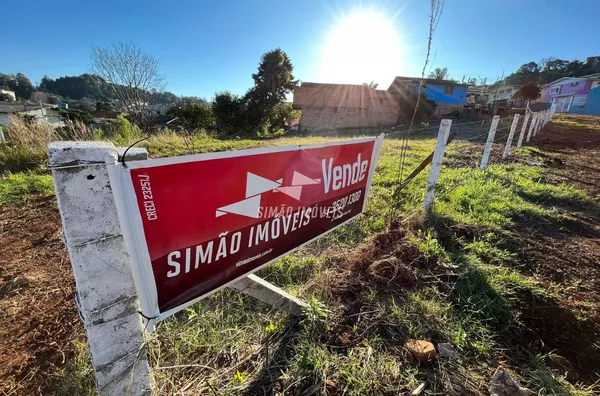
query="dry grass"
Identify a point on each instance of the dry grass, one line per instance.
(37, 135)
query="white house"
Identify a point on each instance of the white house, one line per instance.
(503, 93)
(7, 91)
(47, 114)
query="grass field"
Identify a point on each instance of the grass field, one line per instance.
(505, 268)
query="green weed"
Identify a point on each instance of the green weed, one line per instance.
(16, 187)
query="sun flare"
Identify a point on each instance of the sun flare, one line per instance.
(362, 47)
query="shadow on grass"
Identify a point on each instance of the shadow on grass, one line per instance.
(267, 380)
(527, 320)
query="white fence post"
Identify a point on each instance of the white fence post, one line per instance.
(549, 114)
(532, 126)
(436, 162)
(489, 143)
(106, 295)
(523, 129)
(511, 135)
(541, 123)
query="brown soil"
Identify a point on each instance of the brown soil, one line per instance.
(37, 307)
(567, 252)
(575, 150)
(40, 325)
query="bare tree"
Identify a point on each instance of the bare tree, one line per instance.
(131, 73)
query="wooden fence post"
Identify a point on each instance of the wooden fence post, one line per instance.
(106, 295)
(511, 135)
(532, 126)
(436, 162)
(489, 143)
(523, 129)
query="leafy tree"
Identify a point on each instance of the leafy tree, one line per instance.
(282, 115)
(193, 115)
(273, 81)
(371, 85)
(19, 83)
(163, 98)
(183, 99)
(228, 110)
(84, 104)
(529, 91)
(528, 72)
(553, 69)
(439, 74)
(274, 78)
(104, 106)
(76, 87)
(73, 115)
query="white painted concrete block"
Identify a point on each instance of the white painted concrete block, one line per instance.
(106, 294)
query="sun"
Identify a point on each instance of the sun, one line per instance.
(364, 46)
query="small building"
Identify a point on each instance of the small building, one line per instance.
(503, 95)
(45, 113)
(449, 96)
(477, 94)
(570, 94)
(8, 92)
(332, 106)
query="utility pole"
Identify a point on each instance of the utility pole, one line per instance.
(481, 95)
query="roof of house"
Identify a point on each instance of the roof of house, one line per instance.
(428, 81)
(18, 107)
(5, 88)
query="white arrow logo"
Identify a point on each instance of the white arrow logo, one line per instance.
(256, 185)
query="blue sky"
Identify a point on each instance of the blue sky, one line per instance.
(208, 46)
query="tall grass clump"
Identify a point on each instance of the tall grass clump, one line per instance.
(26, 142)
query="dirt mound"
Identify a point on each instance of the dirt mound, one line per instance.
(37, 307)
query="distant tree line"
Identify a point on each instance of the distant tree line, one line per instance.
(552, 69)
(127, 79)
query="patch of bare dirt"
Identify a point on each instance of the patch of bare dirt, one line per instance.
(37, 307)
(575, 152)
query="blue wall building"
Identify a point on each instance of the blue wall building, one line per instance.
(448, 95)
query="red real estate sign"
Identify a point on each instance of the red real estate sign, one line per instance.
(201, 222)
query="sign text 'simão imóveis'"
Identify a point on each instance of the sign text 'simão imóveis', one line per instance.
(203, 221)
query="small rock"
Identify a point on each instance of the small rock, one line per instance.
(330, 384)
(446, 350)
(422, 351)
(418, 390)
(503, 384)
(564, 366)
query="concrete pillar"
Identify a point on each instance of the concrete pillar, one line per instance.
(106, 295)
(489, 143)
(532, 126)
(523, 129)
(436, 162)
(511, 135)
